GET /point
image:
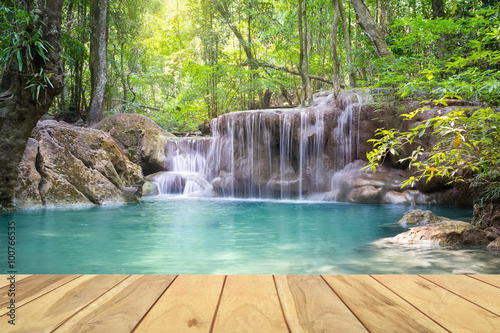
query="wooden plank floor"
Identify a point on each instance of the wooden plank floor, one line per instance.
(253, 303)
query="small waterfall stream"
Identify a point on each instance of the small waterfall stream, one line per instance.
(279, 154)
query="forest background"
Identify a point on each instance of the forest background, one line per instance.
(184, 62)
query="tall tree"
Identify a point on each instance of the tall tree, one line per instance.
(371, 29)
(32, 81)
(333, 48)
(98, 65)
(347, 43)
(306, 95)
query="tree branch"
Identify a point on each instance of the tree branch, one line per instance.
(294, 72)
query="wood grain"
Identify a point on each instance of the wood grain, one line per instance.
(48, 311)
(4, 282)
(188, 305)
(475, 291)
(124, 311)
(378, 308)
(28, 289)
(491, 279)
(310, 305)
(68, 325)
(249, 303)
(451, 311)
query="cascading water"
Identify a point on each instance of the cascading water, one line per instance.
(283, 154)
(269, 154)
(186, 164)
(348, 131)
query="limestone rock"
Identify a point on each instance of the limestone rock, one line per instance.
(27, 190)
(421, 217)
(495, 245)
(365, 195)
(149, 188)
(444, 233)
(395, 198)
(139, 138)
(74, 166)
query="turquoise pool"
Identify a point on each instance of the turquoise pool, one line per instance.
(175, 235)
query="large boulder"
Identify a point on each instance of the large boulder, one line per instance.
(444, 233)
(421, 217)
(139, 138)
(67, 165)
(28, 181)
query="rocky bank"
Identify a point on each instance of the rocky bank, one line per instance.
(67, 165)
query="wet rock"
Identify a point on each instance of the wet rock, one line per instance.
(395, 198)
(132, 194)
(365, 195)
(421, 217)
(444, 233)
(27, 188)
(490, 235)
(75, 166)
(139, 138)
(149, 188)
(495, 245)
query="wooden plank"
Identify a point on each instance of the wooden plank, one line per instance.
(310, 305)
(249, 303)
(451, 311)
(4, 282)
(188, 305)
(124, 311)
(491, 279)
(48, 311)
(378, 308)
(68, 325)
(475, 291)
(31, 288)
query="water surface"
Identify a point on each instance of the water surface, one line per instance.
(175, 235)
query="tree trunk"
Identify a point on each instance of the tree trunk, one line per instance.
(98, 51)
(309, 98)
(303, 67)
(333, 49)
(437, 8)
(20, 110)
(347, 43)
(371, 29)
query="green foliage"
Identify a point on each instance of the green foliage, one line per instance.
(462, 144)
(38, 82)
(20, 44)
(433, 57)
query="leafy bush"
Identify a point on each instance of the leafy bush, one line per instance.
(464, 142)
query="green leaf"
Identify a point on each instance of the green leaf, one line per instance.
(19, 60)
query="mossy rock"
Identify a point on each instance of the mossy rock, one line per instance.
(138, 137)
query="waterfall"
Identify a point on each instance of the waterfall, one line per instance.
(279, 154)
(186, 164)
(274, 154)
(348, 131)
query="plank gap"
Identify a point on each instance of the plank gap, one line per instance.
(456, 294)
(483, 281)
(395, 293)
(152, 306)
(45, 293)
(281, 304)
(89, 304)
(218, 303)
(344, 303)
